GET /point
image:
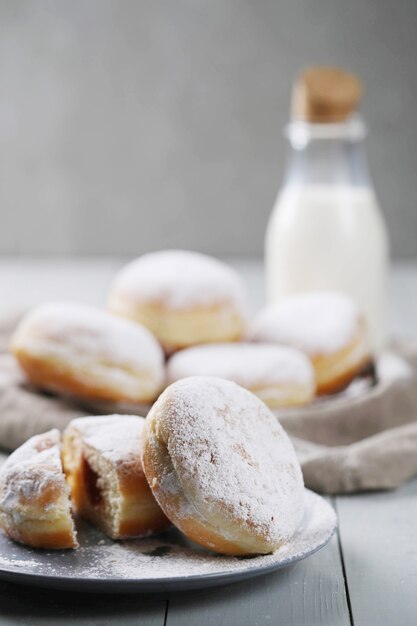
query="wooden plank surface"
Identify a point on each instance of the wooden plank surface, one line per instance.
(379, 542)
(309, 593)
(25, 606)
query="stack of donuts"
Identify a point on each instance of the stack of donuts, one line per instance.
(175, 344)
(176, 314)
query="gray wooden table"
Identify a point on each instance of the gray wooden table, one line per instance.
(366, 576)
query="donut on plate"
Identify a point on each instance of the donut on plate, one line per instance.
(280, 376)
(222, 468)
(328, 327)
(184, 298)
(101, 457)
(87, 353)
(35, 506)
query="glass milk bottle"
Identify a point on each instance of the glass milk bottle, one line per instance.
(326, 231)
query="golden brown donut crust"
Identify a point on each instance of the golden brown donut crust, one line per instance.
(336, 371)
(34, 499)
(87, 353)
(279, 375)
(185, 298)
(327, 326)
(178, 329)
(55, 376)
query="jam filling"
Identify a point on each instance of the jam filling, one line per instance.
(91, 479)
(369, 372)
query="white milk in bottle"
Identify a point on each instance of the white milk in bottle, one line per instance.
(326, 231)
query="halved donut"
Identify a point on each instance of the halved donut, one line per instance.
(101, 457)
(35, 506)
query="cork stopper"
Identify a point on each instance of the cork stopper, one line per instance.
(325, 95)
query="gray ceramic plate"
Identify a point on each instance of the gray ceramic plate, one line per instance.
(166, 562)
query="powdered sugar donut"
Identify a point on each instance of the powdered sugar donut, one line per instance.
(280, 376)
(221, 467)
(185, 298)
(35, 506)
(87, 353)
(101, 457)
(327, 326)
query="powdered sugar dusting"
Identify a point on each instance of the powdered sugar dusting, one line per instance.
(29, 471)
(179, 279)
(116, 437)
(249, 365)
(92, 333)
(231, 456)
(317, 323)
(166, 559)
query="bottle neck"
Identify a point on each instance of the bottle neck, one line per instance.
(327, 154)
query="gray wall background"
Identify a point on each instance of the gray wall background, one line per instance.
(127, 126)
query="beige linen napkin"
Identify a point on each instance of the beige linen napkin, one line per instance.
(25, 412)
(365, 438)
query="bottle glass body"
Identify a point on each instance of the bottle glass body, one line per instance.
(326, 231)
